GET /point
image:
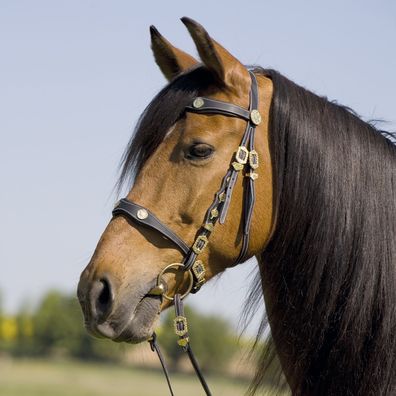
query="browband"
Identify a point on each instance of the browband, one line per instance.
(212, 106)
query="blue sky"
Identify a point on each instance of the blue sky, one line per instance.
(75, 75)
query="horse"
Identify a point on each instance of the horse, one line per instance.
(320, 191)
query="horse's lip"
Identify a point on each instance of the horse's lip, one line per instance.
(132, 331)
(138, 326)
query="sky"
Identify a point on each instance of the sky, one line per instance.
(75, 76)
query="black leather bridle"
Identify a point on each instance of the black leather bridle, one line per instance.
(246, 158)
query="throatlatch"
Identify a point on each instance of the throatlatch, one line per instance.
(246, 158)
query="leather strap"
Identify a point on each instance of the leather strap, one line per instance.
(249, 192)
(156, 348)
(212, 106)
(228, 195)
(179, 311)
(143, 216)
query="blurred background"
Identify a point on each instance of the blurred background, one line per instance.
(74, 78)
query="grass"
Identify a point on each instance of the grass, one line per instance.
(69, 378)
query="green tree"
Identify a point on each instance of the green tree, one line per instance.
(211, 338)
(24, 344)
(58, 328)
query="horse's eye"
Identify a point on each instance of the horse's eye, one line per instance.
(199, 151)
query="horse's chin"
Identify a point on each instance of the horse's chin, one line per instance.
(144, 321)
(132, 328)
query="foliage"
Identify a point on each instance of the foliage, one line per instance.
(211, 338)
(58, 327)
(55, 327)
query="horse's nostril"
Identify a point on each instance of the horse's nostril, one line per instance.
(101, 299)
(104, 296)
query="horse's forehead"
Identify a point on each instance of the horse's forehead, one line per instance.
(200, 124)
(210, 129)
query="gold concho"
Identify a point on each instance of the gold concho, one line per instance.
(237, 166)
(180, 325)
(255, 117)
(199, 270)
(198, 103)
(252, 175)
(214, 213)
(242, 155)
(200, 244)
(253, 159)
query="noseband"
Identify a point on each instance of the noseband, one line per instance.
(246, 158)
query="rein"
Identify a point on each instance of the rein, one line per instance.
(246, 158)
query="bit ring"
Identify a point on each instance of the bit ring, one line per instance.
(176, 266)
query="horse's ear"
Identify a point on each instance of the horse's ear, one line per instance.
(170, 59)
(228, 70)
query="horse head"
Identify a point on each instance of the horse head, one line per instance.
(179, 159)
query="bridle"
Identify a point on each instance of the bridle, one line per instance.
(246, 158)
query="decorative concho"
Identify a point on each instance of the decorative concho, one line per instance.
(200, 244)
(198, 103)
(253, 159)
(180, 325)
(214, 213)
(237, 166)
(242, 155)
(252, 175)
(142, 214)
(199, 269)
(255, 117)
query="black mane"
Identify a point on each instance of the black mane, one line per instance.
(332, 257)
